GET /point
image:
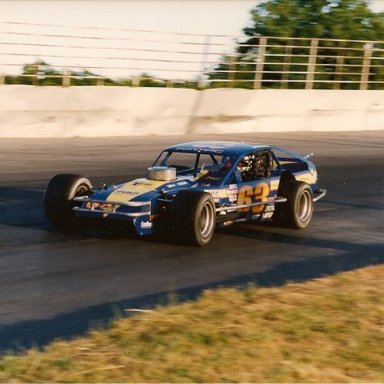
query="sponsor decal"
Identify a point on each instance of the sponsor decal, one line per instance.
(216, 193)
(142, 182)
(274, 185)
(224, 193)
(232, 193)
(178, 184)
(211, 147)
(135, 188)
(131, 193)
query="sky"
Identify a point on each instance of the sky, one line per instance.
(176, 38)
(195, 16)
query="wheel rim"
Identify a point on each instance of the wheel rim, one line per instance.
(206, 222)
(304, 206)
(82, 190)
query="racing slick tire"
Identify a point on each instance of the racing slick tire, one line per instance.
(194, 216)
(58, 200)
(297, 211)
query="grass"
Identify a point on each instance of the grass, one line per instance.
(325, 330)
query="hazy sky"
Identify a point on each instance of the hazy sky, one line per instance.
(100, 34)
(198, 16)
(195, 16)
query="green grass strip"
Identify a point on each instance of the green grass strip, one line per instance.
(325, 330)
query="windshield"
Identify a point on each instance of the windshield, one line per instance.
(199, 165)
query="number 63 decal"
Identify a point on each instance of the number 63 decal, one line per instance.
(249, 195)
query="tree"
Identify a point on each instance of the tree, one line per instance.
(42, 73)
(330, 19)
(312, 19)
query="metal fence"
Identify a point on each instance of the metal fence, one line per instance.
(47, 54)
(276, 62)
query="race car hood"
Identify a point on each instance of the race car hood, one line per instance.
(139, 189)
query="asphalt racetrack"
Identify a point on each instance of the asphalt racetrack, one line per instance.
(59, 286)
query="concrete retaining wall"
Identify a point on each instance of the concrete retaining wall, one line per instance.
(27, 111)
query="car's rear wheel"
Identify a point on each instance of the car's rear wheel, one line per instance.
(297, 211)
(58, 200)
(194, 217)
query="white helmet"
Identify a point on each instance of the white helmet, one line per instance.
(245, 164)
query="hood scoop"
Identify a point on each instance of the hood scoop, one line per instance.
(161, 173)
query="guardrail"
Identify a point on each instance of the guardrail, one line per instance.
(185, 60)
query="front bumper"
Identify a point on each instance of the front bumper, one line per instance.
(136, 212)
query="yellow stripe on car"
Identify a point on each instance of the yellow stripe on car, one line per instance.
(129, 191)
(307, 177)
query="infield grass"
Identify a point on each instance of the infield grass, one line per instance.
(325, 330)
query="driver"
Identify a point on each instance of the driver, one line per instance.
(255, 166)
(245, 168)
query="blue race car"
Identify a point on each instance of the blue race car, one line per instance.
(193, 188)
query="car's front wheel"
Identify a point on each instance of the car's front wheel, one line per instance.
(194, 216)
(58, 200)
